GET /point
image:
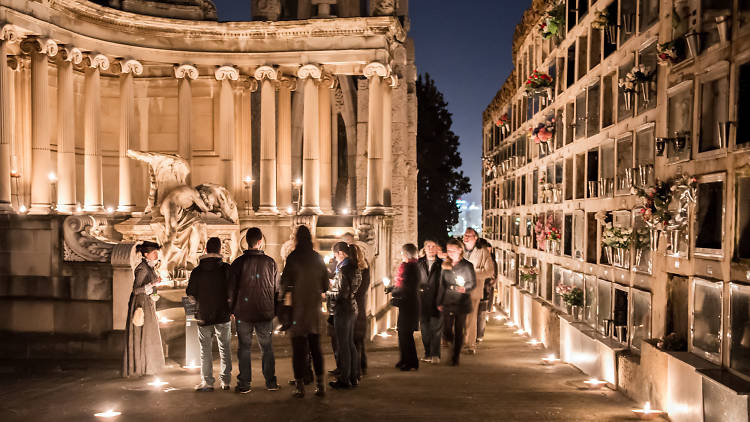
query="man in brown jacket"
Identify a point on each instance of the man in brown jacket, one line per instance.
(482, 261)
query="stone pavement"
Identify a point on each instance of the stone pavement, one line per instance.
(503, 382)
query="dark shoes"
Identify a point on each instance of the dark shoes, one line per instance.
(409, 368)
(340, 385)
(399, 365)
(242, 389)
(334, 372)
(299, 389)
(273, 386)
(320, 388)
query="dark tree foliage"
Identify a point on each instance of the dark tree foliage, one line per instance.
(439, 182)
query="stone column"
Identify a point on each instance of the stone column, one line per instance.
(128, 131)
(185, 74)
(310, 74)
(284, 148)
(66, 130)
(388, 86)
(6, 121)
(39, 49)
(268, 79)
(324, 128)
(226, 74)
(92, 148)
(375, 73)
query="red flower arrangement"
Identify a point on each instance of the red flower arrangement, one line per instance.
(538, 81)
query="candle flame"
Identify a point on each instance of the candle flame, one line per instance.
(460, 281)
(386, 281)
(108, 414)
(157, 383)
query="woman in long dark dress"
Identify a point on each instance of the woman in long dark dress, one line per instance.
(405, 297)
(143, 349)
(360, 323)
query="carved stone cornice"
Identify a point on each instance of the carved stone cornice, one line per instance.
(70, 54)
(376, 69)
(128, 66)
(39, 45)
(96, 61)
(266, 72)
(84, 241)
(309, 71)
(186, 71)
(227, 72)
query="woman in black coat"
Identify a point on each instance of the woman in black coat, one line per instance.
(405, 298)
(345, 284)
(360, 323)
(457, 280)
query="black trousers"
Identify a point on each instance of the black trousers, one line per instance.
(305, 348)
(359, 343)
(456, 322)
(406, 345)
(448, 323)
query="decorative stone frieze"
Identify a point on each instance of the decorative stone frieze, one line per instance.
(84, 241)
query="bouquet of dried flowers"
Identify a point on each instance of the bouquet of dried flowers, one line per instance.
(573, 296)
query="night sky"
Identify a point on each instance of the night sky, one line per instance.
(465, 47)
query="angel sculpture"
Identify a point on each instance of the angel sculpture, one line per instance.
(182, 206)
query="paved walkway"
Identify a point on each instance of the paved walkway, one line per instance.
(503, 382)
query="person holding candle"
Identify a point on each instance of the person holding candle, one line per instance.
(404, 295)
(209, 287)
(430, 321)
(303, 281)
(482, 262)
(360, 323)
(345, 284)
(457, 281)
(143, 349)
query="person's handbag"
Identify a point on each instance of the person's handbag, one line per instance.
(138, 317)
(397, 298)
(285, 312)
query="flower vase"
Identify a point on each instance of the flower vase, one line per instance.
(644, 174)
(674, 241)
(722, 26)
(627, 183)
(645, 88)
(620, 259)
(638, 256)
(575, 311)
(628, 21)
(592, 189)
(549, 93)
(628, 97)
(723, 128)
(611, 33)
(692, 38)
(608, 254)
(653, 237)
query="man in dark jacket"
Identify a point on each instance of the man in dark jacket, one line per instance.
(253, 292)
(430, 320)
(209, 286)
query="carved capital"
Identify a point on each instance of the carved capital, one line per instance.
(15, 63)
(309, 71)
(39, 45)
(227, 72)
(329, 80)
(266, 72)
(289, 82)
(186, 71)
(70, 54)
(376, 69)
(11, 33)
(392, 81)
(96, 61)
(128, 66)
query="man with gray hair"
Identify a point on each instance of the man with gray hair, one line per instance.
(480, 258)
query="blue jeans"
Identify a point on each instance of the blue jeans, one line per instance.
(264, 332)
(223, 333)
(432, 331)
(343, 323)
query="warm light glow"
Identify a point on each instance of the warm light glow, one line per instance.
(22, 209)
(158, 383)
(510, 324)
(386, 281)
(520, 332)
(110, 210)
(549, 360)
(14, 173)
(384, 335)
(78, 208)
(499, 317)
(345, 211)
(297, 182)
(52, 177)
(327, 259)
(647, 412)
(595, 383)
(247, 180)
(191, 365)
(108, 414)
(289, 210)
(165, 320)
(534, 342)
(460, 282)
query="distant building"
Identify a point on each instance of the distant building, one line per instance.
(469, 215)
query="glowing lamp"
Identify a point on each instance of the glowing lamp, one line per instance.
(52, 177)
(158, 383)
(386, 281)
(22, 209)
(345, 211)
(110, 210)
(647, 412)
(550, 360)
(297, 182)
(108, 414)
(165, 320)
(499, 317)
(595, 384)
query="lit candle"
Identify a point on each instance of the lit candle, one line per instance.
(499, 317)
(647, 412)
(534, 342)
(386, 281)
(289, 210)
(327, 259)
(191, 365)
(510, 324)
(520, 332)
(345, 211)
(158, 383)
(164, 320)
(22, 209)
(108, 414)
(52, 177)
(550, 360)
(460, 282)
(594, 383)
(110, 210)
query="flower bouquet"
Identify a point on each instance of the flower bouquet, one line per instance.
(642, 76)
(617, 241)
(667, 53)
(528, 272)
(539, 82)
(655, 208)
(573, 298)
(604, 21)
(553, 22)
(503, 122)
(544, 132)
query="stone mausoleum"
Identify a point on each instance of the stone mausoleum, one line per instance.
(111, 111)
(617, 162)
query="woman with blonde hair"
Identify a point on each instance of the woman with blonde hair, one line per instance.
(360, 323)
(457, 280)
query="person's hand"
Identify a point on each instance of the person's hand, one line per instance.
(460, 289)
(440, 308)
(148, 288)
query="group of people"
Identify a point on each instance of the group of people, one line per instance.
(444, 292)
